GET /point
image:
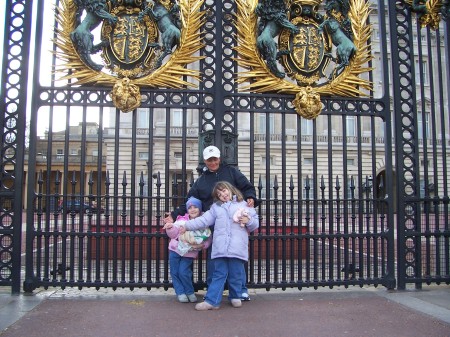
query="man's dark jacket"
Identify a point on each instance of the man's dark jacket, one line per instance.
(204, 185)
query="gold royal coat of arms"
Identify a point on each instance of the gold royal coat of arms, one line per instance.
(323, 48)
(141, 43)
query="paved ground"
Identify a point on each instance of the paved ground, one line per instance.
(323, 312)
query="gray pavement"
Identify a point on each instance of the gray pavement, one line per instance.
(354, 311)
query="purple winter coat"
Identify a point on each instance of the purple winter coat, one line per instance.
(229, 238)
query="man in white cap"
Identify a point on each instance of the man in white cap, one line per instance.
(216, 171)
(213, 172)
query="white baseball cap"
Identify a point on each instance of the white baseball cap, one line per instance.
(211, 151)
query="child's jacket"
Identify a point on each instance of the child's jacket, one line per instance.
(229, 238)
(184, 248)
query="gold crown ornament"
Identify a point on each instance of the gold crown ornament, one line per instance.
(306, 2)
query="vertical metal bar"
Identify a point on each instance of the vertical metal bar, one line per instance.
(331, 231)
(39, 238)
(132, 209)
(107, 236)
(169, 201)
(445, 183)
(218, 90)
(435, 115)
(83, 210)
(338, 229)
(375, 219)
(343, 202)
(158, 207)
(308, 224)
(88, 236)
(283, 198)
(379, 257)
(368, 219)
(140, 228)
(324, 230)
(101, 181)
(292, 235)
(425, 215)
(115, 210)
(433, 212)
(315, 197)
(150, 204)
(260, 238)
(74, 217)
(124, 236)
(276, 239)
(345, 193)
(354, 215)
(268, 209)
(301, 244)
(251, 262)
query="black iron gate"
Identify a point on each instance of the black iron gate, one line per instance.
(95, 182)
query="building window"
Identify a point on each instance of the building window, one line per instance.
(263, 121)
(267, 191)
(376, 34)
(424, 70)
(73, 152)
(272, 160)
(424, 162)
(351, 125)
(308, 161)
(307, 127)
(423, 37)
(177, 118)
(59, 153)
(421, 125)
(143, 155)
(143, 118)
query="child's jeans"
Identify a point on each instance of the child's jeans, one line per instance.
(181, 272)
(210, 272)
(225, 269)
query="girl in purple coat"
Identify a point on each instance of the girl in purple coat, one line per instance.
(230, 242)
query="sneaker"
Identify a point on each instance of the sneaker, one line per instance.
(183, 298)
(236, 303)
(192, 298)
(204, 306)
(245, 297)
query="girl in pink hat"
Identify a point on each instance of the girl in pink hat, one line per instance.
(183, 249)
